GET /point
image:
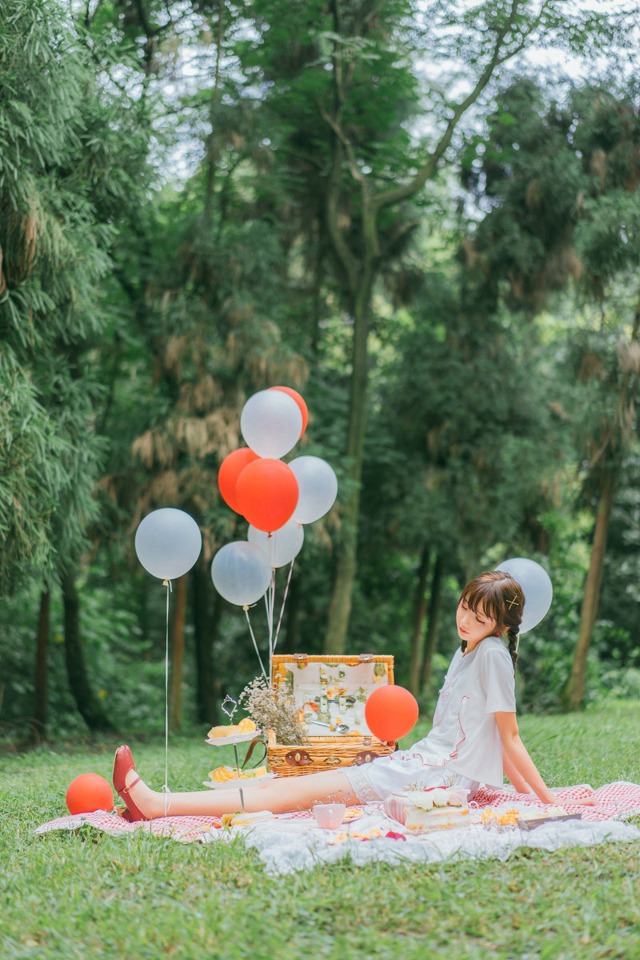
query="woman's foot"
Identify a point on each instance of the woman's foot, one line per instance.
(142, 802)
(125, 779)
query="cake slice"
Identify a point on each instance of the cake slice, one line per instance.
(421, 811)
(245, 819)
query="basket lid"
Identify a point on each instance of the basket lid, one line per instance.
(331, 691)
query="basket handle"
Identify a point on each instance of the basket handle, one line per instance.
(252, 746)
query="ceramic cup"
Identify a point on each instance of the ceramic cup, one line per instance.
(329, 815)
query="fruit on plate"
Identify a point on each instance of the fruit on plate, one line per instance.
(223, 731)
(231, 730)
(223, 774)
(247, 726)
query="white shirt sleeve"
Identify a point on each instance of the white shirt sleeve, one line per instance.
(498, 680)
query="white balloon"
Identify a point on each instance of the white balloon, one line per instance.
(318, 487)
(536, 586)
(271, 423)
(241, 572)
(283, 545)
(168, 543)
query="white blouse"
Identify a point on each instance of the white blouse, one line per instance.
(464, 740)
(464, 736)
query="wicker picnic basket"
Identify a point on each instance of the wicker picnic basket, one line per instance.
(331, 692)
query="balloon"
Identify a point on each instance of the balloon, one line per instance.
(267, 493)
(282, 546)
(241, 572)
(318, 488)
(89, 792)
(168, 543)
(301, 404)
(390, 712)
(536, 586)
(230, 469)
(271, 423)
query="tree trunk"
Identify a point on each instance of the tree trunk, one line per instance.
(177, 651)
(86, 702)
(433, 620)
(613, 448)
(292, 634)
(417, 633)
(41, 686)
(203, 621)
(345, 570)
(574, 692)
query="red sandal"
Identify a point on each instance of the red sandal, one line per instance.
(123, 762)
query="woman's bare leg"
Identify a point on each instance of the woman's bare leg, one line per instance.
(283, 795)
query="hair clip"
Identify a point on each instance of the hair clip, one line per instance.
(514, 602)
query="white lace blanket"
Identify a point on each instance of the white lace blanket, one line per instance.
(293, 842)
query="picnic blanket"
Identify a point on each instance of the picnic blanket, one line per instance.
(293, 841)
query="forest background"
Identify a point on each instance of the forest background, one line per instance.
(423, 216)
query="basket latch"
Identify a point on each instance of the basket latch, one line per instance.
(297, 758)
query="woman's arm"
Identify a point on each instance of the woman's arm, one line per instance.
(518, 760)
(512, 775)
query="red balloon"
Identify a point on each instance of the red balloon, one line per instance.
(89, 792)
(230, 469)
(298, 399)
(267, 493)
(391, 712)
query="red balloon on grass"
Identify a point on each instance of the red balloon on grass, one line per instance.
(391, 712)
(230, 469)
(89, 792)
(267, 493)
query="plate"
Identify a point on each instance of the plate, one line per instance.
(234, 738)
(244, 783)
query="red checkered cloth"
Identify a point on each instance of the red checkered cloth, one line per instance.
(183, 829)
(616, 801)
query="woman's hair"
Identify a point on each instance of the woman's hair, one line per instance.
(502, 600)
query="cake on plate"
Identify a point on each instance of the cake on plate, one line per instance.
(226, 774)
(436, 808)
(243, 818)
(232, 729)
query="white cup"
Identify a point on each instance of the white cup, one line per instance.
(329, 816)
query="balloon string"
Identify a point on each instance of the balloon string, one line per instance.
(246, 613)
(165, 788)
(270, 610)
(284, 600)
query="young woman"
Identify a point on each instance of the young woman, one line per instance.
(474, 738)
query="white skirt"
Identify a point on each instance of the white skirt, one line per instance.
(375, 781)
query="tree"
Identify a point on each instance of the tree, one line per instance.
(64, 178)
(205, 297)
(471, 427)
(354, 154)
(565, 211)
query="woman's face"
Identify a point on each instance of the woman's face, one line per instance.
(474, 625)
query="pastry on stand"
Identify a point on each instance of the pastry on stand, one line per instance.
(231, 735)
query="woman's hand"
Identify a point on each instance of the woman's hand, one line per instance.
(583, 802)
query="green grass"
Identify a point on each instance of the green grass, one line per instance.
(83, 894)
